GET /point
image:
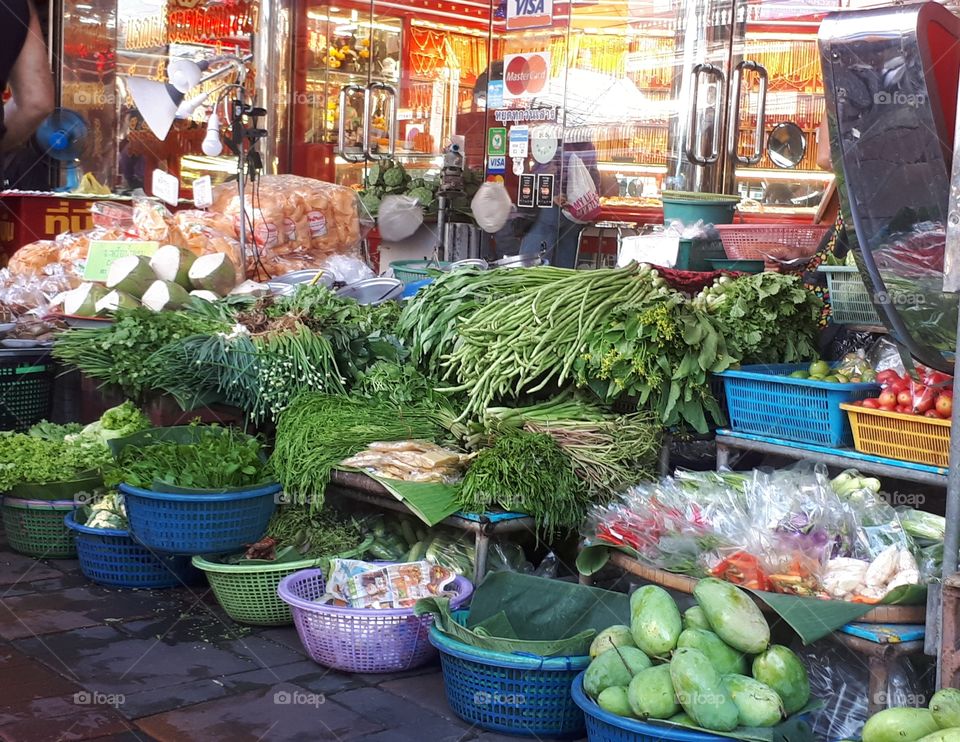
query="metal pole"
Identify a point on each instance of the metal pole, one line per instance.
(951, 537)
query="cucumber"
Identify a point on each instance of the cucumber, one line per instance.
(380, 551)
(417, 551)
(421, 533)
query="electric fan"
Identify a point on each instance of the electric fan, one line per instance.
(61, 136)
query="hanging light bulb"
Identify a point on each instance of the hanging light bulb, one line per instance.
(212, 145)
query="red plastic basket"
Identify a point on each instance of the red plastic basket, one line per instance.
(750, 241)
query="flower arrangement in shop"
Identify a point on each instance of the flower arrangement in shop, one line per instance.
(348, 53)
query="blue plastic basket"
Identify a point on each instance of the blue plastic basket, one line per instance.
(200, 523)
(510, 693)
(763, 400)
(111, 557)
(602, 726)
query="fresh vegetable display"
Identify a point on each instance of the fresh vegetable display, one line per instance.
(314, 533)
(527, 473)
(765, 318)
(939, 722)
(215, 459)
(783, 531)
(851, 369)
(388, 177)
(705, 678)
(399, 538)
(317, 431)
(107, 512)
(929, 394)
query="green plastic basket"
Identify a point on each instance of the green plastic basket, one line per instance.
(36, 527)
(850, 302)
(689, 207)
(26, 387)
(411, 271)
(248, 592)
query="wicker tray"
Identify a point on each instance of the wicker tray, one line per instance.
(909, 614)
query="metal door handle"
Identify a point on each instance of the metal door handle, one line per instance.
(391, 124)
(692, 150)
(342, 122)
(733, 129)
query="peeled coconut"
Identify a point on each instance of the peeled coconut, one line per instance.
(214, 272)
(172, 263)
(82, 301)
(165, 295)
(130, 274)
(116, 300)
(205, 295)
(250, 288)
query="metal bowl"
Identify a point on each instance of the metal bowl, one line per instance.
(373, 291)
(281, 289)
(295, 278)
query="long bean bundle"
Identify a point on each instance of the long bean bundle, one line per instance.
(530, 341)
(317, 431)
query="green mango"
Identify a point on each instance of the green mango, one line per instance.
(782, 670)
(945, 707)
(612, 636)
(655, 621)
(695, 618)
(759, 704)
(651, 694)
(724, 658)
(701, 692)
(733, 615)
(683, 718)
(615, 667)
(614, 700)
(943, 735)
(899, 725)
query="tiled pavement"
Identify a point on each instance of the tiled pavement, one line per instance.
(81, 662)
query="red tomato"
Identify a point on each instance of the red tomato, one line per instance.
(885, 377)
(887, 399)
(938, 378)
(932, 413)
(871, 404)
(905, 399)
(857, 403)
(944, 406)
(898, 386)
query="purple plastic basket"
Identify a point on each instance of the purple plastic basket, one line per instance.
(360, 640)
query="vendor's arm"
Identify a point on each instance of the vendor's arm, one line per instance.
(31, 85)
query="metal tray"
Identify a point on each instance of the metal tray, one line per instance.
(372, 291)
(305, 276)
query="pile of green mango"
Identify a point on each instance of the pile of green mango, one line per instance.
(939, 722)
(713, 667)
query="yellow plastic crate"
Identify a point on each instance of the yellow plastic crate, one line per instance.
(896, 435)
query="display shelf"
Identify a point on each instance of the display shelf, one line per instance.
(729, 441)
(361, 488)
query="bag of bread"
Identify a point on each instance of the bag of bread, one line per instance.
(153, 221)
(30, 260)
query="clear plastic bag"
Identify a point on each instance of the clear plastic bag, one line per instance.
(399, 217)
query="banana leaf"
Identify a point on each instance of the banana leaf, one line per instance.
(794, 729)
(88, 482)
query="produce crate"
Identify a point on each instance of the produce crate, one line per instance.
(750, 241)
(111, 557)
(695, 255)
(26, 387)
(36, 527)
(411, 271)
(358, 639)
(764, 400)
(896, 435)
(204, 523)
(526, 695)
(248, 592)
(850, 303)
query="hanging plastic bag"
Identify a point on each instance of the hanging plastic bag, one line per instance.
(491, 207)
(583, 201)
(399, 217)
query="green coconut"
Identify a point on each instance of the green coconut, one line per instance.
(82, 301)
(172, 263)
(165, 295)
(115, 300)
(131, 274)
(214, 272)
(205, 295)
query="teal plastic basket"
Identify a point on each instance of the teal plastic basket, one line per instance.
(411, 271)
(764, 400)
(526, 695)
(689, 208)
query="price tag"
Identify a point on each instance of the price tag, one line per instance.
(202, 192)
(102, 253)
(166, 187)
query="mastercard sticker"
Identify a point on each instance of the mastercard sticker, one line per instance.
(525, 75)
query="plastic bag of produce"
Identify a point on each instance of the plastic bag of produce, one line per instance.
(491, 207)
(399, 217)
(583, 201)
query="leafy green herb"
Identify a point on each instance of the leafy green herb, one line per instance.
(28, 459)
(527, 473)
(219, 458)
(315, 534)
(53, 432)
